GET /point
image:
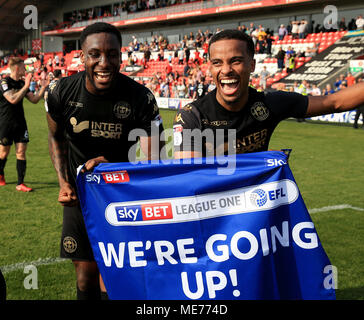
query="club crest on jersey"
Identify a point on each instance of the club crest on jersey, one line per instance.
(4, 85)
(122, 110)
(259, 111)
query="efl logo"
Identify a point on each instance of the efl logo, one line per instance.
(144, 212)
(259, 197)
(116, 177)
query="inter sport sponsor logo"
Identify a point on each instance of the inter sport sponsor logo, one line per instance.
(204, 206)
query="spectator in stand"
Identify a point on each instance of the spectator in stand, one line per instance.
(328, 90)
(339, 81)
(342, 25)
(290, 63)
(254, 37)
(201, 88)
(191, 88)
(160, 55)
(198, 73)
(33, 84)
(280, 58)
(290, 51)
(197, 59)
(181, 88)
(41, 58)
(205, 48)
(169, 69)
(295, 87)
(262, 36)
(352, 24)
(282, 32)
(181, 56)
(199, 39)
(211, 85)
(186, 70)
(359, 23)
(56, 60)
(295, 29)
(263, 78)
(342, 86)
(187, 54)
(311, 51)
(251, 28)
(350, 79)
(191, 41)
(302, 29)
(303, 88)
(49, 64)
(316, 91)
(269, 41)
(164, 88)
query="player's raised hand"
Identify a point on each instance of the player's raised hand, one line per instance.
(92, 163)
(28, 79)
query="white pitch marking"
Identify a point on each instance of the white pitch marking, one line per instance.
(337, 207)
(22, 265)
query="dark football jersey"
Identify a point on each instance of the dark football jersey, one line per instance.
(248, 130)
(99, 125)
(11, 114)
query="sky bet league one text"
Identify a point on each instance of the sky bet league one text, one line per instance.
(181, 232)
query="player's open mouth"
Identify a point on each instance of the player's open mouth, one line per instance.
(229, 86)
(103, 76)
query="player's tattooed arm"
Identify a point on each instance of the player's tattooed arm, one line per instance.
(58, 153)
(15, 96)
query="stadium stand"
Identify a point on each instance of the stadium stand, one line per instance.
(164, 63)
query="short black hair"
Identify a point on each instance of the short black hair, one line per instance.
(234, 34)
(99, 27)
(57, 73)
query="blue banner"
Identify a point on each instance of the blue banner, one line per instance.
(188, 231)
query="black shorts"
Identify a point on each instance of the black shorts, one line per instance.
(75, 244)
(15, 134)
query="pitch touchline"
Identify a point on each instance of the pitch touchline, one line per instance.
(22, 265)
(338, 207)
(48, 261)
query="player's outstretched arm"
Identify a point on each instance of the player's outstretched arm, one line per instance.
(34, 98)
(343, 100)
(58, 152)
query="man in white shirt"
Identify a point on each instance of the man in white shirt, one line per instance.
(316, 91)
(359, 23)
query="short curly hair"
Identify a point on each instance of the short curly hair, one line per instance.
(234, 34)
(99, 27)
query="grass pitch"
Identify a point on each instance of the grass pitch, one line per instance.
(326, 161)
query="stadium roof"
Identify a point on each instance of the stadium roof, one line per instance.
(12, 19)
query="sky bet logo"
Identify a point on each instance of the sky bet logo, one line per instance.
(144, 212)
(274, 162)
(108, 177)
